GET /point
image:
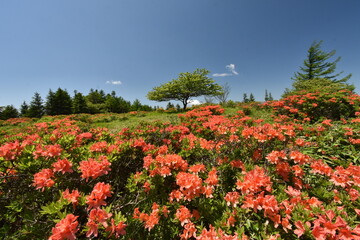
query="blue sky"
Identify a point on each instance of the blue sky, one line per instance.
(131, 46)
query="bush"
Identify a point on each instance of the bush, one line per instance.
(318, 105)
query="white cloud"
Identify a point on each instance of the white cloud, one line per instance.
(230, 68)
(193, 102)
(113, 82)
(221, 74)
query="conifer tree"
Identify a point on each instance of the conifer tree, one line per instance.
(24, 109)
(245, 98)
(50, 105)
(9, 112)
(79, 104)
(270, 98)
(251, 98)
(266, 95)
(317, 66)
(36, 109)
(58, 103)
(63, 102)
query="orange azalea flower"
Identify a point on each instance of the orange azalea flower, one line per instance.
(183, 215)
(10, 151)
(189, 231)
(212, 179)
(94, 168)
(118, 229)
(47, 151)
(43, 179)
(63, 166)
(197, 168)
(99, 147)
(190, 185)
(275, 156)
(98, 195)
(97, 216)
(299, 157)
(254, 181)
(238, 164)
(65, 229)
(232, 198)
(72, 197)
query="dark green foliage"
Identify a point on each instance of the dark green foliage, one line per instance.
(79, 104)
(36, 109)
(58, 103)
(8, 112)
(245, 98)
(318, 72)
(251, 98)
(116, 104)
(96, 97)
(317, 66)
(24, 108)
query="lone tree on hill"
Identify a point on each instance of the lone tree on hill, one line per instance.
(320, 72)
(186, 86)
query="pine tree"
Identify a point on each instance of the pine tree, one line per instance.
(50, 105)
(136, 105)
(36, 109)
(63, 102)
(79, 104)
(24, 109)
(270, 98)
(245, 98)
(58, 103)
(251, 98)
(316, 66)
(266, 96)
(9, 112)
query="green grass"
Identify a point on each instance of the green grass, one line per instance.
(116, 122)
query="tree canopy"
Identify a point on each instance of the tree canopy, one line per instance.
(317, 71)
(185, 87)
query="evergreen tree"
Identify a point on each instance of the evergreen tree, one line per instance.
(136, 105)
(36, 109)
(270, 98)
(9, 112)
(245, 98)
(96, 97)
(79, 104)
(317, 66)
(24, 109)
(58, 103)
(251, 98)
(50, 105)
(63, 102)
(266, 96)
(169, 105)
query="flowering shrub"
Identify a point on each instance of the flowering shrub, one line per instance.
(211, 176)
(317, 105)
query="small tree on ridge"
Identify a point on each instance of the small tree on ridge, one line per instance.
(186, 86)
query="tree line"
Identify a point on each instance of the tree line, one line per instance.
(60, 102)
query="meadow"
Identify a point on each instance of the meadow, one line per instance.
(285, 169)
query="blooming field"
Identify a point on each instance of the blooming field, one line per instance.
(212, 176)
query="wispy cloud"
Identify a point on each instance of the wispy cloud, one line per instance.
(230, 68)
(222, 74)
(113, 82)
